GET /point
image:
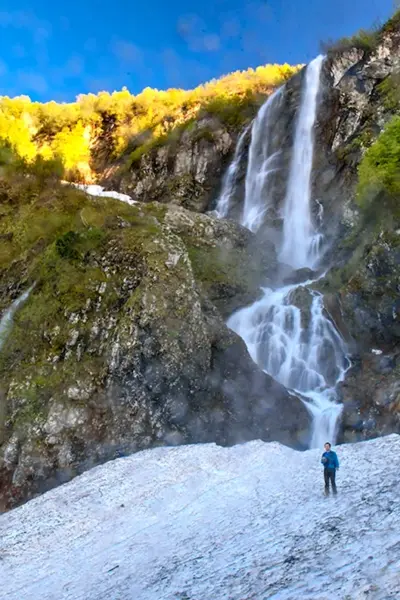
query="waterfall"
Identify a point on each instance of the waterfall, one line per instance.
(230, 179)
(263, 162)
(300, 247)
(299, 347)
(7, 319)
(309, 358)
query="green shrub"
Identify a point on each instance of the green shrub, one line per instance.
(137, 154)
(65, 245)
(390, 91)
(393, 23)
(233, 112)
(379, 170)
(156, 142)
(203, 133)
(366, 40)
(7, 155)
(46, 170)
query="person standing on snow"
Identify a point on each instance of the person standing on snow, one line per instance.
(331, 463)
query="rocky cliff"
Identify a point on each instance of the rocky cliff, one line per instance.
(359, 95)
(365, 274)
(186, 169)
(121, 344)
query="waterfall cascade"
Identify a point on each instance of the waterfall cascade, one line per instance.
(230, 179)
(309, 359)
(264, 153)
(301, 243)
(306, 355)
(7, 319)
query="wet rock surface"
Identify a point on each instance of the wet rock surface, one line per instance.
(365, 311)
(141, 356)
(371, 397)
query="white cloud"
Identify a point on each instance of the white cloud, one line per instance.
(127, 52)
(194, 31)
(260, 11)
(211, 42)
(98, 85)
(5, 18)
(33, 82)
(41, 34)
(188, 24)
(74, 66)
(65, 23)
(177, 67)
(21, 19)
(90, 45)
(230, 28)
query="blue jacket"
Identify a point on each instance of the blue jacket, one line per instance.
(332, 460)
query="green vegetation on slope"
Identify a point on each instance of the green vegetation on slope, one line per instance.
(379, 171)
(57, 237)
(72, 133)
(390, 91)
(98, 264)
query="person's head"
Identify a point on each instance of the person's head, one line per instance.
(327, 446)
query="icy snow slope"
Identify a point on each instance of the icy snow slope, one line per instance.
(209, 523)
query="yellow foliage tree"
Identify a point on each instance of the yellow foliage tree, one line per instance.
(67, 131)
(71, 146)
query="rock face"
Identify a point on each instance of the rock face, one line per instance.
(227, 259)
(122, 346)
(367, 291)
(371, 396)
(364, 282)
(185, 170)
(354, 109)
(362, 288)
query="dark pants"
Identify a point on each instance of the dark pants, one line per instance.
(329, 476)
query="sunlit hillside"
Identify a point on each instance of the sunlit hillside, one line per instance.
(64, 135)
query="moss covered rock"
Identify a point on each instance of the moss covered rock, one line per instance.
(121, 344)
(228, 261)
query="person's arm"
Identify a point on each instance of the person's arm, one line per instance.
(323, 459)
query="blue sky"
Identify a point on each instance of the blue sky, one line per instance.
(56, 50)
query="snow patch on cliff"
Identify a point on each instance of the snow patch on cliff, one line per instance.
(209, 523)
(98, 190)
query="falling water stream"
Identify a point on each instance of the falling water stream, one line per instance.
(230, 179)
(300, 348)
(301, 243)
(264, 153)
(6, 321)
